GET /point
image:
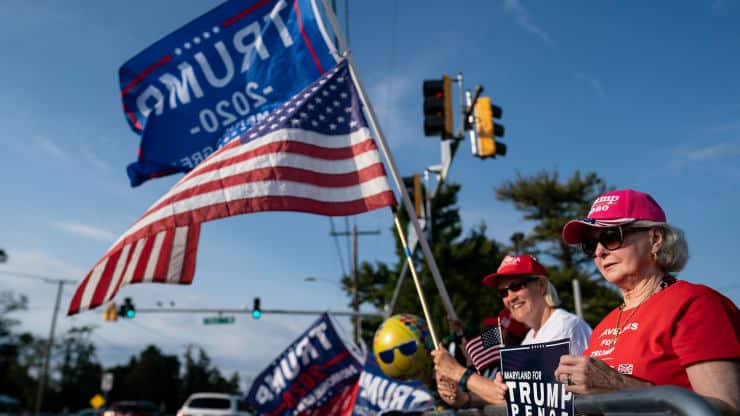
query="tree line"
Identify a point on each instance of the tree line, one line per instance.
(75, 371)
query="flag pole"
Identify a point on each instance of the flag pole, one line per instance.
(451, 314)
(419, 291)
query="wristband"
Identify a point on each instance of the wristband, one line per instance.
(463, 383)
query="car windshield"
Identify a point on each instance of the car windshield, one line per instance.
(209, 403)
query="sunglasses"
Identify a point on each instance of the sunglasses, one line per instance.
(407, 348)
(516, 286)
(610, 238)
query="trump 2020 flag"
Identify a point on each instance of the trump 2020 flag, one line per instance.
(313, 154)
(217, 76)
(315, 375)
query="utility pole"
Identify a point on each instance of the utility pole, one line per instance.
(355, 278)
(50, 342)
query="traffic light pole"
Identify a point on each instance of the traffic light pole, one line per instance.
(238, 311)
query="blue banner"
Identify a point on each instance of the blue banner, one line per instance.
(209, 81)
(529, 372)
(316, 375)
(378, 393)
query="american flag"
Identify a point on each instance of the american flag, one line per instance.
(485, 350)
(313, 154)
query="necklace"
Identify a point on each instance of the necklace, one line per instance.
(618, 327)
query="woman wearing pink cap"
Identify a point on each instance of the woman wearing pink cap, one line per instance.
(533, 300)
(667, 331)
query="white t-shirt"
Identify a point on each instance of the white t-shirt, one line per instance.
(562, 324)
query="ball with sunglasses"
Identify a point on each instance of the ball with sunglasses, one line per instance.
(401, 347)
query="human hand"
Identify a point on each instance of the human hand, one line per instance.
(587, 375)
(447, 389)
(500, 388)
(445, 364)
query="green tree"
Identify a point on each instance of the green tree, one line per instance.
(152, 376)
(463, 260)
(549, 203)
(200, 376)
(13, 374)
(79, 369)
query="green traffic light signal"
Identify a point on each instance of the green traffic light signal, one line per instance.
(127, 309)
(256, 310)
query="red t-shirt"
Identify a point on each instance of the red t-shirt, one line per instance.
(681, 325)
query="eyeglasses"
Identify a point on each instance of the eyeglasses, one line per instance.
(516, 286)
(610, 238)
(407, 348)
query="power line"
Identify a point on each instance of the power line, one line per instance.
(336, 244)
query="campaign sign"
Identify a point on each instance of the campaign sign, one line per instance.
(315, 375)
(378, 393)
(209, 81)
(529, 372)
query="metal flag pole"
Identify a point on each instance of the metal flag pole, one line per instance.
(451, 314)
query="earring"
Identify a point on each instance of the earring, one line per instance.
(654, 255)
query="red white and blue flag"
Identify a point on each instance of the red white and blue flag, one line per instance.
(313, 154)
(485, 350)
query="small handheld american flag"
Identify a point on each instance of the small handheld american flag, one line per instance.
(484, 350)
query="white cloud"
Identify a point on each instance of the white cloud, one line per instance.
(85, 230)
(521, 15)
(94, 159)
(726, 127)
(713, 152)
(594, 83)
(51, 148)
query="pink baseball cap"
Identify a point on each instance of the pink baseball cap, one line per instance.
(612, 209)
(524, 265)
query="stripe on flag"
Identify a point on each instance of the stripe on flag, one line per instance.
(314, 154)
(485, 350)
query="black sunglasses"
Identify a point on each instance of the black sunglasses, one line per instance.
(610, 238)
(516, 286)
(408, 349)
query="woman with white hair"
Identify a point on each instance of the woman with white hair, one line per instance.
(532, 299)
(667, 331)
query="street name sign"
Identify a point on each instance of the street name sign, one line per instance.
(218, 320)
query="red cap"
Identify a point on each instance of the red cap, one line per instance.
(612, 209)
(524, 265)
(514, 327)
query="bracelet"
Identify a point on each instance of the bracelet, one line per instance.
(463, 383)
(469, 403)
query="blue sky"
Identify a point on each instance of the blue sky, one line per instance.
(645, 95)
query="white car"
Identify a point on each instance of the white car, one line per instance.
(214, 404)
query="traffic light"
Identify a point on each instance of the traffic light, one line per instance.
(487, 129)
(416, 193)
(110, 313)
(256, 310)
(127, 310)
(438, 107)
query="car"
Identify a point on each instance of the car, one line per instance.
(88, 412)
(214, 404)
(9, 406)
(132, 408)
